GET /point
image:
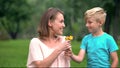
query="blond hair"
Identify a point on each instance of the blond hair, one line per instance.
(97, 12)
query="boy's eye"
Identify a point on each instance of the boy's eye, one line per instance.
(89, 22)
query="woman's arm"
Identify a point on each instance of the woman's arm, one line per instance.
(114, 58)
(50, 59)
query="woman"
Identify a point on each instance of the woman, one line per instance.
(48, 49)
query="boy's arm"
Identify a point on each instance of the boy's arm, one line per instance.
(78, 58)
(114, 57)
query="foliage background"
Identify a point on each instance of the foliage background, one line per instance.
(19, 19)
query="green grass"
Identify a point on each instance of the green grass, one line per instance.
(13, 53)
(75, 49)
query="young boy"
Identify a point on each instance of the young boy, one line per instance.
(98, 45)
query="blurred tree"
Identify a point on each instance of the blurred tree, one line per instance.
(109, 7)
(113, 14)
(13, 14)
(116, 20)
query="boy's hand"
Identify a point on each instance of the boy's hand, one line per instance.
(68, 52)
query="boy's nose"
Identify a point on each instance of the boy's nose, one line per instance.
(86, 25)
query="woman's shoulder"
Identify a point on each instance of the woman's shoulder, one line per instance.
(35, 40)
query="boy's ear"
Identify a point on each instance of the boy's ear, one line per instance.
(101, 23)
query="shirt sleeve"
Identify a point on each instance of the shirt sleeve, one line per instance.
(83, 44)
(35, 50)
(112, 45)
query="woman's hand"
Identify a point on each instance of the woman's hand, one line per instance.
(65, 45)
(62, 46)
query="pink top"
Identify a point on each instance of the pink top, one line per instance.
(39, 51)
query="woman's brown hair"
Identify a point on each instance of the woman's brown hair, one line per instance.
(50, 14)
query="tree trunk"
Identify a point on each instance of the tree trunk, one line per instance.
(13, 35)
(107, 24)
(116, 19)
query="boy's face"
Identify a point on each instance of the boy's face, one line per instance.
(92, 25)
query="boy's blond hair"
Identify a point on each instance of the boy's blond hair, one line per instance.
(97, 13)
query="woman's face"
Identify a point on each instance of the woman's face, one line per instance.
(57, 25)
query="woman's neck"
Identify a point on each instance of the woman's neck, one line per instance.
(51, 41)
(49, 38)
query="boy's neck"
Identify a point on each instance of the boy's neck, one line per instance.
(98, 33)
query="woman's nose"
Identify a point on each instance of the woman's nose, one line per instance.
(63, 24)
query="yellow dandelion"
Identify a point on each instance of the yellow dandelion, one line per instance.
(69, 38)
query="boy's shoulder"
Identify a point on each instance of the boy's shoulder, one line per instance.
(88, 36)
(107, 35)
